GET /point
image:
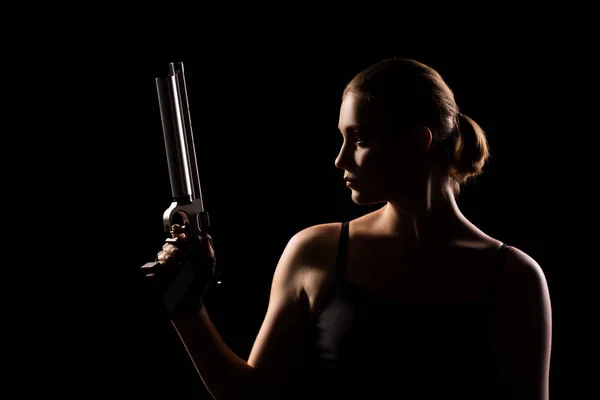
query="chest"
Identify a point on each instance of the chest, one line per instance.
(360, 333)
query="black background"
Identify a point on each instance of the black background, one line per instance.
(264, 104)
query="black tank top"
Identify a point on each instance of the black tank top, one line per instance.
(364, 347)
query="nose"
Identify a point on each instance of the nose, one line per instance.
(342, 160)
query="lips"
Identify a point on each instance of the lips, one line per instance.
(350, 182)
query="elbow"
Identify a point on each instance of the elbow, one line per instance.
(240, 386)
(249, 389)
(265, 385)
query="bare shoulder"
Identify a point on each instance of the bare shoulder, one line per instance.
(524, 272)
(523, 298)
(309, 248)
(308, 260)
(314, 239)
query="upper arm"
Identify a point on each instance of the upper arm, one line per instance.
(279, 341)
(523, 328)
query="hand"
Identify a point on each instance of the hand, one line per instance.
(185, 268)
(171, 256)
(175, 252)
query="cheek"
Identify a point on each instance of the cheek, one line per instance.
(387, 168)
(378, 161)
(376, 165)
(369, 161)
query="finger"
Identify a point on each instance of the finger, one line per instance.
(165, 257)
(171, 250)
(162, 257)
(167, 247)
(167, 260)
(178, 231)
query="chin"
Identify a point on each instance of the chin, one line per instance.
(365, 199)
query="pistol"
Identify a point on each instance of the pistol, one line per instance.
(187, 207)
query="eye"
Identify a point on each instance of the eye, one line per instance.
(359, 140)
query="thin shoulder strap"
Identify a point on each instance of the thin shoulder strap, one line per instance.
(342, 252)
(496, 272)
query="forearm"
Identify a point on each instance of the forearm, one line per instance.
(225, 375)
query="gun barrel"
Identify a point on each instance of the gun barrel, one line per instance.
(178, 136)
(178, 71)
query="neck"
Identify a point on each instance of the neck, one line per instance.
(431, 215)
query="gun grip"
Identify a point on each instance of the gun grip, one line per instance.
(182, 288)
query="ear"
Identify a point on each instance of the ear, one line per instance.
(425, 137)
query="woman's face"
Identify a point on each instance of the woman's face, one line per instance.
(382, 165)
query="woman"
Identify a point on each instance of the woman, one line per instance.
(409, 301)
